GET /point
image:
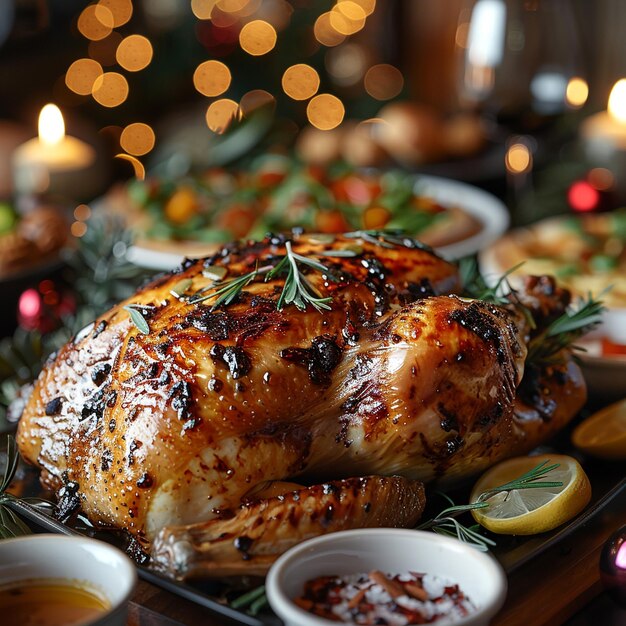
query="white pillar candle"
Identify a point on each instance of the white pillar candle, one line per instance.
(53, 162)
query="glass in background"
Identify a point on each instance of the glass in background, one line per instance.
(517, 58)
(521, 67)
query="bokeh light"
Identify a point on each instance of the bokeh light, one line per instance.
(325, 111)
(202, 9)
(211, 78)
(300, 81)
(518, 159)
(583, 197)
(255, 99)
(138, 168)
(383, 81)
(78, 229)
(346, 63)
(134, 53)
(347, 17)
(121, 10)
(104, 50)
(81, 76)
(82, 212)
(257, 37)
(577, 92)
(220, 114)
(231, 6)
(29, 304)
(137, 139)
(95, 22)
(325, 33)
(368, 6)
(110, 89)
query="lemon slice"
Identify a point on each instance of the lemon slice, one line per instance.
(604, 433)
(537, 510)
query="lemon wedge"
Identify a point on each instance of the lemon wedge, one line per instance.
(536, 510)
(604, 433)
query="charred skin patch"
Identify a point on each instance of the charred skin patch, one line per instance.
(320, 359)
(480, 322)
(234, 358)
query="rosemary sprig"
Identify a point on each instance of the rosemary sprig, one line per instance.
(530, 480)
(564, 331)
(297, 289)
(446, 523)
(475, 286)
(226, 291)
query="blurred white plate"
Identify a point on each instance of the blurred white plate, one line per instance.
(484, 207)
(605, 375)
(491, 212)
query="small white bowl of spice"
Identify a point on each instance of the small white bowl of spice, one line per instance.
(385, 576)
(54, 580)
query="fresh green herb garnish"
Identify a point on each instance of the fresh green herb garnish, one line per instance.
(475, 286)
(446, 523)
(530, 480)
(564, 331)
(137, 318)
(226, 291)
(297, 290)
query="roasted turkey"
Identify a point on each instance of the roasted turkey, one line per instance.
(218, 418)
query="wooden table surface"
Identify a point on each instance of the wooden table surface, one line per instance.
(561, 586)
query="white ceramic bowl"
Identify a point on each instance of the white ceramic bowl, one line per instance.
(390, 550)
(103, 568)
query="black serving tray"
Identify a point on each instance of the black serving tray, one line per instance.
(608, 481)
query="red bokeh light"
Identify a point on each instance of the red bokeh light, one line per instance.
(29, 308)
(583, 197)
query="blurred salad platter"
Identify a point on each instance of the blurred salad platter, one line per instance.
(190, 216)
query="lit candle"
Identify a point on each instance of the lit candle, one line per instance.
(605, 133)
(604, 137)
(53, 162)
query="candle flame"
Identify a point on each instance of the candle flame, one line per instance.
(51, 125)
(617, 101)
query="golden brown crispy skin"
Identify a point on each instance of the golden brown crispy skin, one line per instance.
(176, 426)
(173, 426)
(261, 530)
